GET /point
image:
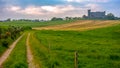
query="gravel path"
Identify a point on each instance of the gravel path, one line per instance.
(30, 61)
(8, 51)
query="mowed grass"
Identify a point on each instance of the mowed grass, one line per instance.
(17, 58)
(99, 48)
(81, 25)
(34, 24)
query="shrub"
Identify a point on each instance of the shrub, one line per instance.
(114, 57)
(5, 43)
(26, 28)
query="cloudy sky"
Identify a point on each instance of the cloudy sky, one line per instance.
(46, 9)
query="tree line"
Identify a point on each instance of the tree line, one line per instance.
(109, 16)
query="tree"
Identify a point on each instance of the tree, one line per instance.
(56, 19)
(84, 16)
(68, 18)
(8, 19)
(110, 16)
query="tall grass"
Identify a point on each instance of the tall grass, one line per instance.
(97, 48)
(42, 54)
(39, 52)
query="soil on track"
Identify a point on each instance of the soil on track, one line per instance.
(30, 60)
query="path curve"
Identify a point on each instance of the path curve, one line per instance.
(30, 61)
(8, 51)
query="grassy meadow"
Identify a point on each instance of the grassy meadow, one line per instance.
(7, 28)
(96, 48)
(34, 24)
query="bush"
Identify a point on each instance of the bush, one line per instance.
(26, 28)
(115, 57)
(5, 43)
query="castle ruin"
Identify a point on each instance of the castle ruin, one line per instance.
(96, 14)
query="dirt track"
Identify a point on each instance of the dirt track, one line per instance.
(8, 51)
(30, 61)
(81, 25)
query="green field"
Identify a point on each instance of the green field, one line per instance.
(34, 24)
(5, 25)
(96, 48)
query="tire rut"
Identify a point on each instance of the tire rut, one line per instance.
(30, 61)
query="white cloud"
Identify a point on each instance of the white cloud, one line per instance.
(58, 9)
(47, 12)
(32, 10)
(14, 8)
(79, 1)
(75, 0)
(94, 7)
(41, 10)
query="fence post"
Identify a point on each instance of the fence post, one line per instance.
(76, 59)
(49, 48)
